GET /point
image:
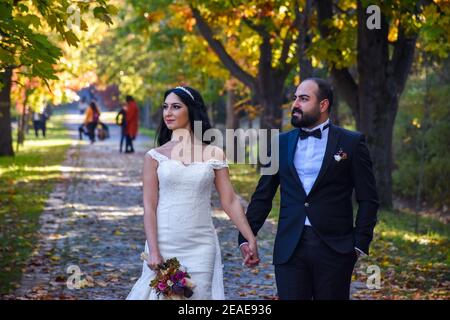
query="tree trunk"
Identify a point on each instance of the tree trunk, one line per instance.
(231, 120)
(146, 116)
(271, 100)
(379, 141)
(6, 148)
(270, 97)
(376, 101)
(334, 112)
(268, 85)
(27, 121)
(381, 79)
(21, 123)
(20, 131)
(376, 121)
(272, 116)
(304, 40)
(423, 147)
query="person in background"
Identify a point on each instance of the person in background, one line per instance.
(132, 124)
(40, 122)
(36, 123)
(121, 120)
(44, 117)
(91, 119)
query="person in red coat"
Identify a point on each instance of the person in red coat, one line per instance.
(132, 123)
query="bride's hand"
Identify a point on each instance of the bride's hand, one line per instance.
(250, 252)
(154, 260)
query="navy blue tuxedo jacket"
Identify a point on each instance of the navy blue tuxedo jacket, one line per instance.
(329, 203)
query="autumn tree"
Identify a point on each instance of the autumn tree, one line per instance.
(25, 44)
(273, 26)
(382, 37)
(154, 47)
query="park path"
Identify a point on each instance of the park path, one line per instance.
(92, 223)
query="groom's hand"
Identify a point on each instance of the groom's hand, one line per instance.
(250, 254)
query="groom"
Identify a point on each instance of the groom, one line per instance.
(317, 242)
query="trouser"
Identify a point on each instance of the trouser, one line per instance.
(91, 126)
(36, 126)
(43, 127)
(122, 139)
(129, 144)
(315, 271)
(81, 131)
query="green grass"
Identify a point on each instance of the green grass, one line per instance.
(147, 132)
(25, 183)
(244, 178)
(413, 266)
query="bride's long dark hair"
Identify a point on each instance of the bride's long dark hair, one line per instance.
(196, 111)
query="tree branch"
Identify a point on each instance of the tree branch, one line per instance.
(344, 82)
(303, 39)
(342, 11)
(287, 42)
(221, 52)
(265, 60)
(402, 58)
(259, 29)
(289, 39)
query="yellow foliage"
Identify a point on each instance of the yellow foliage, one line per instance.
(393, 33)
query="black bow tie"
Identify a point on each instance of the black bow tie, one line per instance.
(315, 133)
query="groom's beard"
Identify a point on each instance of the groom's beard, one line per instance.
(306, 119)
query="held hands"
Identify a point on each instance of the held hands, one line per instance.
(249, 252)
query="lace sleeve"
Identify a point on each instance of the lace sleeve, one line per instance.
(156, 155)
(218, 164)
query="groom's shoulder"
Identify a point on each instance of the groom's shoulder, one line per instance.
(287, 134)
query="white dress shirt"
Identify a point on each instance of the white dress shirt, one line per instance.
(308, 158)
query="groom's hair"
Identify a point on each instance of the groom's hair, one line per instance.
(325, 90)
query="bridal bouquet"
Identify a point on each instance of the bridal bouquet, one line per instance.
(172, 280)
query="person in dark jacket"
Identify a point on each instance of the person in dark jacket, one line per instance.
(121, 120)
(320, 166)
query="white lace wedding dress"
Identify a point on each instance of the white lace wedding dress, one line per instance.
(185, 227)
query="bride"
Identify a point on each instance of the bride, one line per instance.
(178, 178)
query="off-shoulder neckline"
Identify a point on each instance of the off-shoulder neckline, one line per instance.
(166, 158)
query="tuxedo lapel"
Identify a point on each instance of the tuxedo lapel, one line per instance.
(292, 145)
(333, 138)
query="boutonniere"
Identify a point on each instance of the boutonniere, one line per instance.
(340, 155)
